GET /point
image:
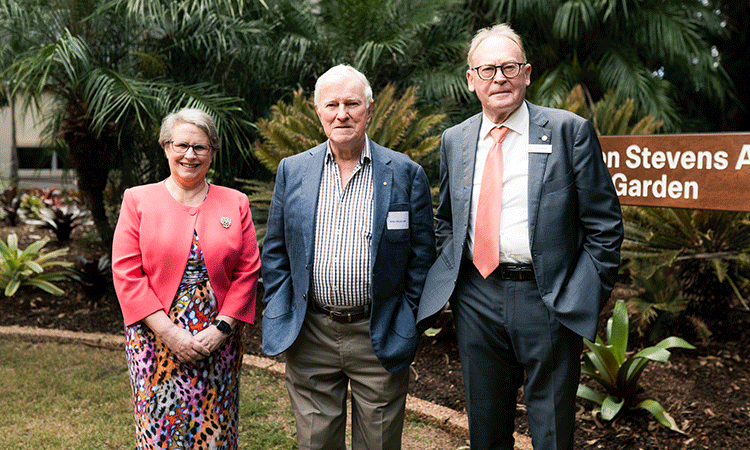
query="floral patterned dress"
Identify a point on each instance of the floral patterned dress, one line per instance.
(185, 405)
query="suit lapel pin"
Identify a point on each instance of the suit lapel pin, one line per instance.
(225, 222)
(544, 138)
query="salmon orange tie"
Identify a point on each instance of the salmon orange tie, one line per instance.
(487, 229)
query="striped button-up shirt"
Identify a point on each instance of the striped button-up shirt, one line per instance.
(343, 235)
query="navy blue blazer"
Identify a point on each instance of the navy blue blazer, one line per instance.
(575, 222)
(400, 257)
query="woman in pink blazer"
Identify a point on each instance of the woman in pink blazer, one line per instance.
(185, 264)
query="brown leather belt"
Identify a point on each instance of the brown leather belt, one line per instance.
(348, 315)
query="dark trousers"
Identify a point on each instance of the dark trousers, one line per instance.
(505, 331)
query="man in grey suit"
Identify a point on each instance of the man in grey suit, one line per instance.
(350, 240)
(524, 289)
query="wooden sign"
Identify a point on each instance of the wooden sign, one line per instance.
(701, 171)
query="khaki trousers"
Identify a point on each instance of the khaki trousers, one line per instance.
(328, 357)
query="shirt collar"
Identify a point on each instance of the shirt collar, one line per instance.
(517, 122)
(363, 158)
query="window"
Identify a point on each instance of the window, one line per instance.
(37, 158)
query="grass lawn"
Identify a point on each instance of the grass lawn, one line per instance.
(73, 396)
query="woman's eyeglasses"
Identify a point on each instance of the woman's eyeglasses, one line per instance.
(183, 147)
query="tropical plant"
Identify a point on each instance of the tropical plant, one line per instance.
(27, 267)
(33, 200)
(100, 62)
(657, 303)
(402, 42)
(408, 42)
(295, 128)
(292, 129)
(609, 115)
(609, 364)
(659, 53)
(93, 275)
(61, 220)
(259, 194)
(706, 252)
(11, 201)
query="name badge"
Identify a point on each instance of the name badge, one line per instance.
(398, 220)
(540, 148)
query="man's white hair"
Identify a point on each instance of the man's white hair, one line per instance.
(342, 72)
(501, 29)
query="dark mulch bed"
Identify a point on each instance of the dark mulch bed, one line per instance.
(705, 390)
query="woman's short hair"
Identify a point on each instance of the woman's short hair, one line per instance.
(194, 116)
(342, 72)
(501, 29)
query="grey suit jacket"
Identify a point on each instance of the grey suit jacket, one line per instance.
(400, 257)
(575, 222)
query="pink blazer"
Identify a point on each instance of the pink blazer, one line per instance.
(152, 244)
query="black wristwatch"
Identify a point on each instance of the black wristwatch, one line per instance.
(223, 326)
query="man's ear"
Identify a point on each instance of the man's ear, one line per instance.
(470, 80)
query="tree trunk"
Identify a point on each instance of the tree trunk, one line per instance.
(13, 143)
(90, 155)
(94, 201)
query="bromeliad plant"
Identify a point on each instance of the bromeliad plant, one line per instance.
(27, 267)
(10, 204)
(609, 365)
(61, 220)
(94, 275)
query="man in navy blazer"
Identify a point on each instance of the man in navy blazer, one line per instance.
(560, 231)
(350, 240)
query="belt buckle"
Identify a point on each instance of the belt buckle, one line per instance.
(336, 316)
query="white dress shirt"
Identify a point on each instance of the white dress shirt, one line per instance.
(514, 221)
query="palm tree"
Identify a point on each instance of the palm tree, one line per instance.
(735, 57)
(411, 42)
(420, 43)
(656, 52)
(111, 88)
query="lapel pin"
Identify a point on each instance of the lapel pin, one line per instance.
(544, 138)
(226, 221)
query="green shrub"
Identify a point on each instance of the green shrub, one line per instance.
(610, 366)
(26, 267)
(703, 255)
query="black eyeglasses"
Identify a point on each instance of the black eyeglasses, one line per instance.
(183, 147)
(509, 70)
